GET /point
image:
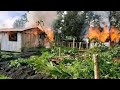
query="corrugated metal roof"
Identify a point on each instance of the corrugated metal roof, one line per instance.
(16, 29)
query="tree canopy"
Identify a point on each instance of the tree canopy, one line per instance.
(71, 23)
(20, 22)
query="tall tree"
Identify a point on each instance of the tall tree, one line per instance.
(73, 22)
(58, 25)
(115, 18)
(20, 22)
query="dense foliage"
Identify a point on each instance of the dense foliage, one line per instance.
(70, 24)
(74, 65)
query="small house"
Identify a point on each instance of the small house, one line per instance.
(18, 39)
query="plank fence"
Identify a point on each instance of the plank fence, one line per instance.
(74, 44)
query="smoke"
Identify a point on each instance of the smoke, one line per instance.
(8, 23)
(47, 17)
(104, 17)
(7, 18)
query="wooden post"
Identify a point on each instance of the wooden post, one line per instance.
(73, 42)
(59, 51)
(96, 66)
(79, 45)
(69, 44)
(62, 43)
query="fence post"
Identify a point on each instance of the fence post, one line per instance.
(73, 42)
(62, 43)
(79, 45)
(59, 51)
(96, 66)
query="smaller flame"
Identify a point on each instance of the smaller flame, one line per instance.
(50, 35)
(104, 34)
(115, 34)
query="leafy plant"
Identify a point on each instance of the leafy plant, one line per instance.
(4, 77)
(18, 62)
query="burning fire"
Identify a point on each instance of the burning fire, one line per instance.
(104, 35)
(50, 35)
(95, 33)
(48, 31)
(114, 34)
(43, 20)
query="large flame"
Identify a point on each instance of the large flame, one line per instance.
(113, 35)
(94, 33)
(104, 35)
(48, 31)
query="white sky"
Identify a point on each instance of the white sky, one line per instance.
(7, 18)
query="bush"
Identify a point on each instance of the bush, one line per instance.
(4, 77)
(77, 68)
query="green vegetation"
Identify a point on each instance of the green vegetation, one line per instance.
(4, 77)
(73, 66)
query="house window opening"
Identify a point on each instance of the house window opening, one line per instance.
(12, 36)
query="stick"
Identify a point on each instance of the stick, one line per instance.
(96, 66)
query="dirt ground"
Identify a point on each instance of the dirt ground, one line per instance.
(22, 72)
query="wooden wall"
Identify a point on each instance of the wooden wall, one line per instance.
(30, 38)
(7, 45)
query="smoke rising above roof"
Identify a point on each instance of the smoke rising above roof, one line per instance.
(46, 17)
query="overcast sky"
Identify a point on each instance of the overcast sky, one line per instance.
(8, 17)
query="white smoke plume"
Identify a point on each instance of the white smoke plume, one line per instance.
(104, 17)
(7, 18)
(8, 23)
(47, 17)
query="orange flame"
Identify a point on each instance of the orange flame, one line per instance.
(114, 34)
(48, 31)
(50, 35)
(94, 33)
(104, 34)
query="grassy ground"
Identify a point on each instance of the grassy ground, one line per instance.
(73, 64)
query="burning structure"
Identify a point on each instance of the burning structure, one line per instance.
(37, 32)
(102, 31)
(106, 36)
(20, 39)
